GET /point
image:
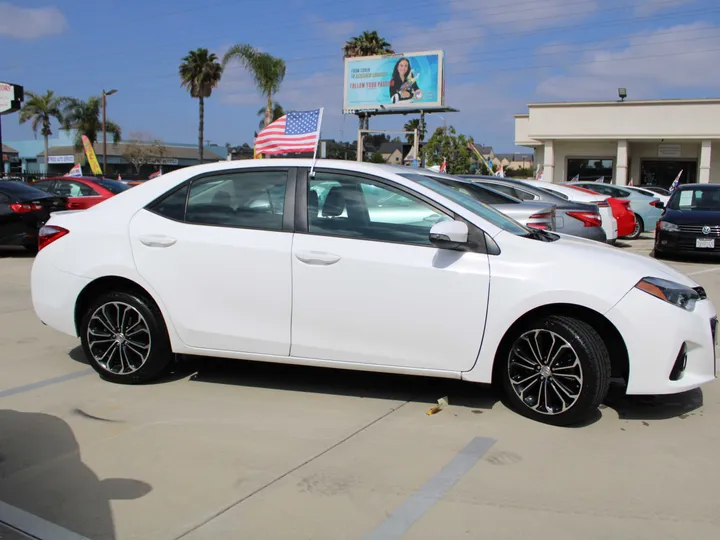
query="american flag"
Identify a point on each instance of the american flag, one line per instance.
(676, 182)
(297, 131)
(575, 178)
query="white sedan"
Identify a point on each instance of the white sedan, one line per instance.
(261, 260)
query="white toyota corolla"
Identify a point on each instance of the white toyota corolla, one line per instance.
(368, 267)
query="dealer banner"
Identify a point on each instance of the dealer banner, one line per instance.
(92, 158)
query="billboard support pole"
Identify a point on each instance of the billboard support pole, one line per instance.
(416, 145)
(360, 145)
(2, 156)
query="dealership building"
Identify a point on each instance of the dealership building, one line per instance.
(646, 142)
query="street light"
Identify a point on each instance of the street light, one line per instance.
(104, 128)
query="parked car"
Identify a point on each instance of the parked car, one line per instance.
(280, 282)
(23, 210)
(691, 222)
(81, 192)
(539, 215)
(574, 218)
(645, 207)
(623, 214)
(609, 223)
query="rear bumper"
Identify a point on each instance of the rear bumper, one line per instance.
(655, 332)
(684, 243)
(54, 294)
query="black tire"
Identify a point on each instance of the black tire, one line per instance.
(154, 340)
(639, 228)
(587, 350)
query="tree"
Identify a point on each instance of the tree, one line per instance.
(200, 72)
(141, 150)
(267, 71)
(450, 147)
(377, 157)
(415, 124)
(277, 112)
(42, 109)
(84, 118)
(369, 43)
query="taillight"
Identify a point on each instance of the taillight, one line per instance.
(24, 208)
(589, 219)
(654, 203)
(601, 204)
(545, 216)
(48, 234)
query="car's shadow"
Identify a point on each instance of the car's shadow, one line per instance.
(394, 387)
(15, 252)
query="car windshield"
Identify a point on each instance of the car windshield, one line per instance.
(695, 199)
(113, 186)
(21, 191)
(486, 212)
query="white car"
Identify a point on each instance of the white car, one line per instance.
(609, 223)
(663, 198)
(244, 259)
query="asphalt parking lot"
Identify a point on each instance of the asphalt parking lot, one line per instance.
(230, 450)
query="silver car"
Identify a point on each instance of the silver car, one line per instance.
(570, 217)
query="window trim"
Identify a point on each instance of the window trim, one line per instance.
(288, 209)
(477, 238)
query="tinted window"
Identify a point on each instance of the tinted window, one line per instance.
(344, 205)
(44, 185)
(252, 199)
(113, 186)
(173, 206)
(524, 195)
(695, 199)
(479, 193)
(21, 192)
(507, 190)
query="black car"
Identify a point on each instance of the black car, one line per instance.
(690, 224)
(23, 210)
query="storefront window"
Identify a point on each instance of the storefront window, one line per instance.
(590, 169)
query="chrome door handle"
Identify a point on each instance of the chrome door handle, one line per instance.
(157, 240)
(319, 258)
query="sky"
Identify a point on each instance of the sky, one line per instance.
(500, 55)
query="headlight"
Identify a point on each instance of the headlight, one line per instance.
(669, 227)
(673, 293)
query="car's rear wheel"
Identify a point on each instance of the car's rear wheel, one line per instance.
(125, 339)
(557, 371)
(638, 230)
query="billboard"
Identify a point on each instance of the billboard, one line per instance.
(11, 97)
(394, 82)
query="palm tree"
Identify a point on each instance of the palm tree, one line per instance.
(412, 125)
(41, 109)
(84, 118)
(267, 71)
(200, 72)
(369, 43)
(277, 112)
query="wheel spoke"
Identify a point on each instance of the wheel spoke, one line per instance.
(526, 379)
(557, 353)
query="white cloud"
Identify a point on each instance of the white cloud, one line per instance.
(30, 23)
(651, 64)
(648, 7)
(337, 31)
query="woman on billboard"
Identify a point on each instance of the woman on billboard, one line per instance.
(403, 86)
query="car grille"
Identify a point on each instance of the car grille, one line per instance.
(698, 229)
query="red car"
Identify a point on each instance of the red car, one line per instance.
(621, 211)
(81, 192)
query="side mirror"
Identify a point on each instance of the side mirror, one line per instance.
(449, 234)
(660, 205)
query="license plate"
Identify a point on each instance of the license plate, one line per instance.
(705, 243)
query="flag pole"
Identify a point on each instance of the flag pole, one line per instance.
(317, 143)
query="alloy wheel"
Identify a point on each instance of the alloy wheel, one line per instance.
(545, 372)
(118, 338)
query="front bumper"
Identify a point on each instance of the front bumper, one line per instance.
(654, 332)
(684, 243)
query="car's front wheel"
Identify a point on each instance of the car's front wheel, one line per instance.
(638, 230)
(557, 370)
(125, 339)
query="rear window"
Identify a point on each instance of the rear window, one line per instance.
(113, 186)
(20, 191)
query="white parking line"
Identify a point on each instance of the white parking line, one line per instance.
(706, 271)
(34, 526)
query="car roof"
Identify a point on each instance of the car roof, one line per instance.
(707, 187)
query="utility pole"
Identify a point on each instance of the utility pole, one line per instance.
(104, 127)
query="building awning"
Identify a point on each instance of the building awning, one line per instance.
(172, 155)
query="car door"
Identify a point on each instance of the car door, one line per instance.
(217, 252)
(369, 287)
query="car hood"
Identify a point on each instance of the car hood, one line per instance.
(615, 262)
(692, 217)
